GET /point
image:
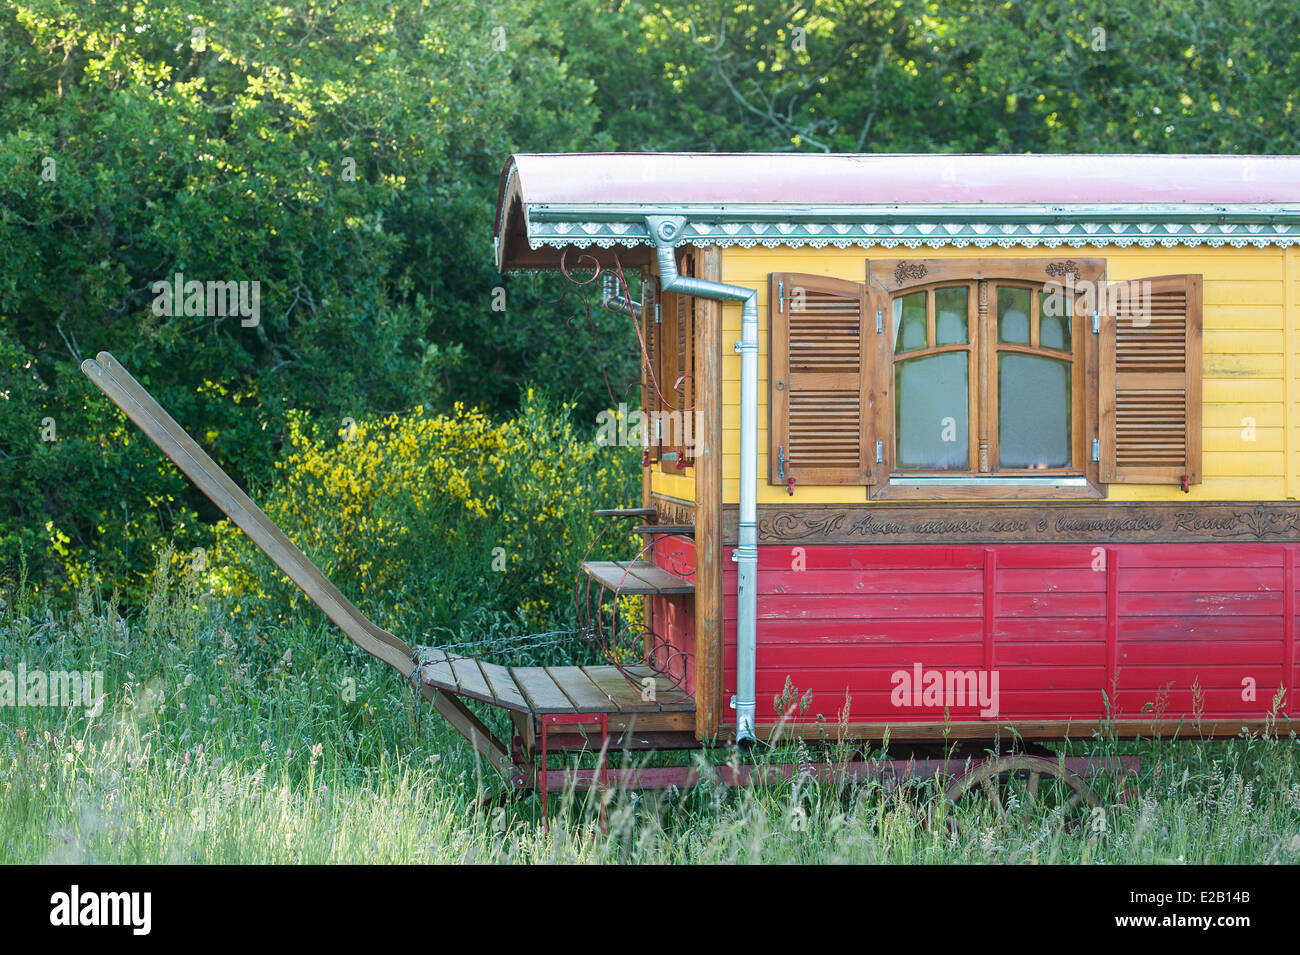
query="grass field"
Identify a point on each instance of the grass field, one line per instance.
(229, 740)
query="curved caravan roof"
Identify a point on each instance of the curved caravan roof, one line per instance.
(551, 202)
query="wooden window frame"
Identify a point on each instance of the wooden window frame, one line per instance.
(889, 278)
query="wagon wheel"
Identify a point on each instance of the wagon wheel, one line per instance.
(1028, 782)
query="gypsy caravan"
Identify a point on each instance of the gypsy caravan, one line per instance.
(938, 448)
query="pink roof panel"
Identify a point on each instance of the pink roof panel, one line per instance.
(668, 179)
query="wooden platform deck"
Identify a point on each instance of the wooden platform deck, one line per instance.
(674, 530)
(636, 577)
(540, 691)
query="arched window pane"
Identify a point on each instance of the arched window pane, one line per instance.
(909, 322)
(1033, 412)
(1013, 315)
(950, 316)
(931, 412)
(1054, 320)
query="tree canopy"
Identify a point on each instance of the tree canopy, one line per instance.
(345, 156)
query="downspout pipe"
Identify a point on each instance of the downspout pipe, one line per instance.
(612, 300)
(663, 231)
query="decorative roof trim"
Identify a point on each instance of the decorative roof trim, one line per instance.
(917, 234)
(894, 225)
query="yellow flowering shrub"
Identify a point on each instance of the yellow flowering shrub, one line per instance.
(425, 519)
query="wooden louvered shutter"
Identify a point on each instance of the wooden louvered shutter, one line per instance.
(818, 381)
(684, 383)
(666, 332)
(651, 374)
(676, 344)
(1150, 383)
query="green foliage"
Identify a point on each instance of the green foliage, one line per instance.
(344, 156)
(952, 76)
(64, 505)
(237, 742)
(434, 519)
(347, 157)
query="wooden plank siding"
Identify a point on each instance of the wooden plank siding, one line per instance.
(673, 618)
(1290, 322)
(1156, 626)
(1159, 617)
(1249, 372)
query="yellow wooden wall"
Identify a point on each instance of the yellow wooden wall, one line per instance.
(1291, 410)
(1251, 363)
(678, 484)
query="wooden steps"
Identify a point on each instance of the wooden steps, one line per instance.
(636, 577)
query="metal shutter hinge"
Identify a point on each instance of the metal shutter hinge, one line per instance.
(880, 452)
(880, 321)
(1096, 449)
(780, 295)
(1096, 323)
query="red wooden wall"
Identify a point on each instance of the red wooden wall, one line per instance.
(1059, 624)
(672, 619)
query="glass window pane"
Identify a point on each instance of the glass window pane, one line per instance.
(1054, 320)
(1033, 412)
(909, 322)
(950, 316)
(931, 412)
(1013, 315)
